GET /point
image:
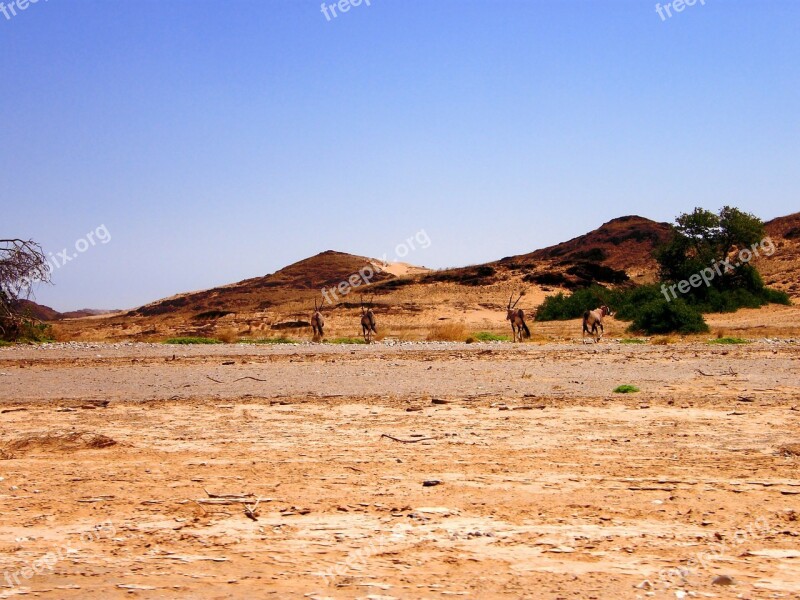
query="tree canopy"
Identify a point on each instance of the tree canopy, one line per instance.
(703, 238)
(22, 263)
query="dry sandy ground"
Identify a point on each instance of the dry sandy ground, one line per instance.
(550, 485)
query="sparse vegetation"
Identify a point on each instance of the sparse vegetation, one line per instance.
(488, 336)
(546, 278)
(212, 314)
(5, 343)
(729, 340)
(632, 341)
(475, 276)
(275, 340)
(192, 340)
(447, 332)
(392, 284)
(346, 340)
(626, 389)
(594, 272)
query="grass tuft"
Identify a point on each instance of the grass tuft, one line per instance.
(277, 340)
(632, 341)
(5, 343)
(488, 336)
(625, 389)
(192, 340)
(729, 340)
(346, 340)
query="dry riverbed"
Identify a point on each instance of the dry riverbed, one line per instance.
(408, 471)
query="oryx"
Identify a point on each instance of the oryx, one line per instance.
(368, 326)
(517, 318)
(592, 319)
(317, 322)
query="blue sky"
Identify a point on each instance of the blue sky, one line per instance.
(220, 141)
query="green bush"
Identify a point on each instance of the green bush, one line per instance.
(626, 389)
(624, 302)
(34, 331)
(562, 307)
(660, 316)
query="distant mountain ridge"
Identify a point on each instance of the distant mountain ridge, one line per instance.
(618, 251)
(45, 313)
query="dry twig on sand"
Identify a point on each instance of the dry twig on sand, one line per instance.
(386, 435)
(730, 371)
(235, 380)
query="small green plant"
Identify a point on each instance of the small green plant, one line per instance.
(632, 341)
(192, 340)
(346, 340)
(5, 343)
(729, 340)
(488, 336)
(277, 340)
(626, 389)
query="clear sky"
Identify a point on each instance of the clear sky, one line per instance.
(217, 141)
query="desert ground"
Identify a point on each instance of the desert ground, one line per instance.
(401, 470)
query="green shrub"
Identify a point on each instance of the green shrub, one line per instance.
(34, 331)
(660, 316)
(488, 336)
(632, 341)
(626, 389)
(777, 297)
(562, 307)
(192, 340)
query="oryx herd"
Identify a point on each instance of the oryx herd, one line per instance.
(592, 321)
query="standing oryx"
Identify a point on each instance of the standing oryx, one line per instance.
(317, 322)
(592, 319)
(517, 318)
(368, 326)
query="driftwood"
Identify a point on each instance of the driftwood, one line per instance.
(235, 380)
(250, 512)
(730, 371)
(391, 437)
(228, 499)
